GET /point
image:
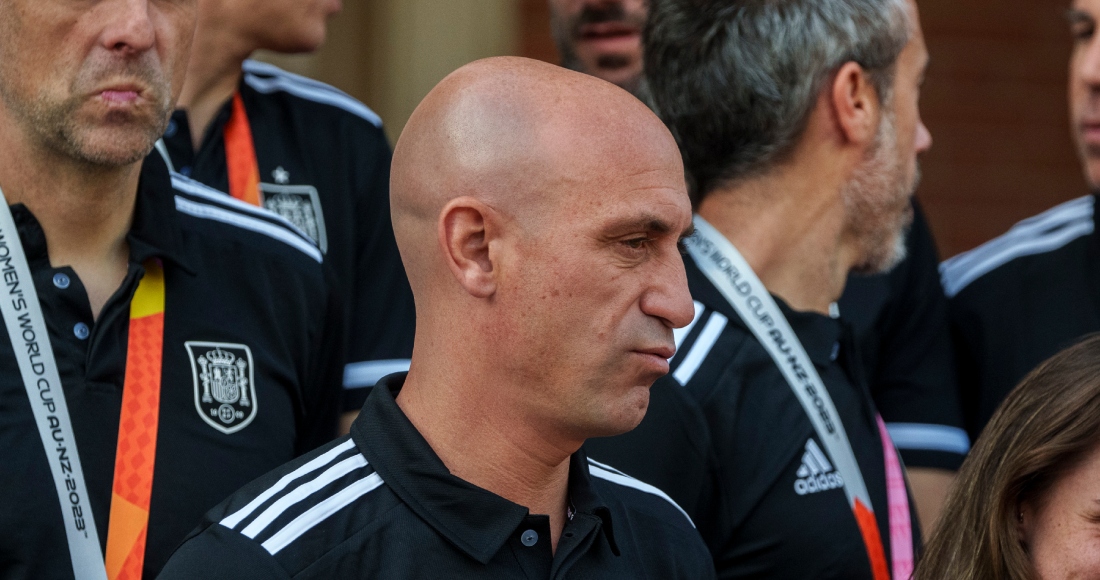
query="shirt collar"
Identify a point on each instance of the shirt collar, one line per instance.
(473, 519)
(818, 333)
(156, 231)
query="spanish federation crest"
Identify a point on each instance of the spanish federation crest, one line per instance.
(225, 393)
(300, 205)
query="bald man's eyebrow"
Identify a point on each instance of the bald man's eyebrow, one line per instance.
(649, 223)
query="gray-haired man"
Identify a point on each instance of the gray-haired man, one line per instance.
(799, 127)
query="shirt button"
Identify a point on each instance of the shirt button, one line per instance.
(185, 171)
(836, 351)
(81, 330)
(61, 280)
(529, 538)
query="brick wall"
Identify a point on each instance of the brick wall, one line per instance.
(995, 101)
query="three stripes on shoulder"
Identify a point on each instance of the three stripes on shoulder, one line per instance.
(1039, 234)
(268, 78)
(260, 517)
(203, 202)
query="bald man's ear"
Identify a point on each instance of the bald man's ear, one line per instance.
(855, 104)
(465, 229)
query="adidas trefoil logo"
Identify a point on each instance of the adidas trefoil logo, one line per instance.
(816, 473)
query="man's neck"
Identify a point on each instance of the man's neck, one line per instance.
(213, 73)
(788, 225)
(483, 442)
(85, 210)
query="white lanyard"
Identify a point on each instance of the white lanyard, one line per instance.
(30, 342)
(724, 266)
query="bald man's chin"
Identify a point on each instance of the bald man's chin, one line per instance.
(628, 414)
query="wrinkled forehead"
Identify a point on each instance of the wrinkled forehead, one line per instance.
(614, 176)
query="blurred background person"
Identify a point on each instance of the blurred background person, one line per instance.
(195, 343)
(1025, 503)
(1022, 297)
(305, 151)
(899, 318)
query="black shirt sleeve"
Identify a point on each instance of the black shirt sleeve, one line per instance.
(382, 311)
(221, 554)
(324, 383)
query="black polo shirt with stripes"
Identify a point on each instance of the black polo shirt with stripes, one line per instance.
(244, 291)
(900, 326)
(774, 506)
(1020, 298)
(325, 165)
(901, 330)
(381, 504)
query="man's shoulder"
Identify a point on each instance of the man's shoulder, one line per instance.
(634, 496)
(319, 98)
(294, 517)
(218, 218)
(1031, 252)
(712, 350)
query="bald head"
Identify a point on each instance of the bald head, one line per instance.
(538, 212)
(512, 133)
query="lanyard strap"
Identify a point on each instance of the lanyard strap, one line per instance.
(897, 498)
(133, 476)
(137, 429)
(724, 266)
(240, 155)
(30, 342)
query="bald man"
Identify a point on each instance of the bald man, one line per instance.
(541, 237)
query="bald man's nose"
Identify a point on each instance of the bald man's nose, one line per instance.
(668, 297)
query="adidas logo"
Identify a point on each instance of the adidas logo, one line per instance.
(816, 473)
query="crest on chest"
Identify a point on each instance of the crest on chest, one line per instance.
(225, 392)
(300, 205)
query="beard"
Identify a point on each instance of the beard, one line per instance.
(114, 139)
(877, 203)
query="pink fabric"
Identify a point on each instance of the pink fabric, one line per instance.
(897, 499)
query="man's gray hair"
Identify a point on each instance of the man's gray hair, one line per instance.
(736, 80)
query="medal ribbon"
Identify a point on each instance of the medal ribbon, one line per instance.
(897, 499)
(732, 275)
(137, 429)
(240, 155)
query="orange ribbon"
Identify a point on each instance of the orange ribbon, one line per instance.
(137, 429)
(240, 155)
(868, 527)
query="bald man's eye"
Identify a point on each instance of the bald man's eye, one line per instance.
(634, 248)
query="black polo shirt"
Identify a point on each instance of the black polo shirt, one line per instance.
(242, 288)
(900, 323)
(769, 514)
(325, 165)
(1020, 298)
(381, 504)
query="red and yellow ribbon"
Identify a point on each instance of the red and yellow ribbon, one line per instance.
(137, 429)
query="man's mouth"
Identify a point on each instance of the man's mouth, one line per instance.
(607, 30)
(121, 94)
